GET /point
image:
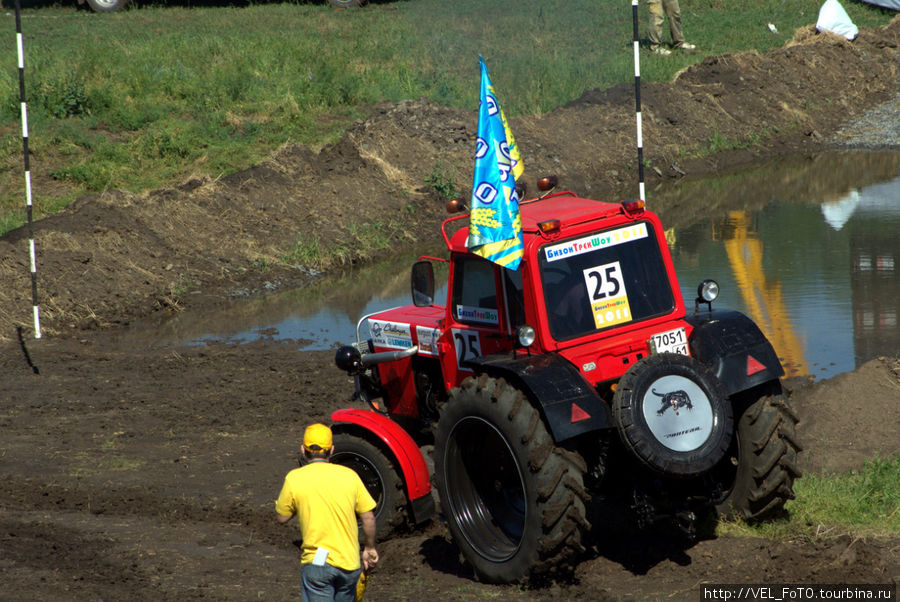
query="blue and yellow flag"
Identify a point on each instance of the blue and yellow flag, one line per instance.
(495, 227)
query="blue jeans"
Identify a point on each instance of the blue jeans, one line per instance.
(328, 583)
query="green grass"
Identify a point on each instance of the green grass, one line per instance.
(441, 179)
(868, 499)
(305, 252)
(145, 98)
(864, 503)
(365, 240)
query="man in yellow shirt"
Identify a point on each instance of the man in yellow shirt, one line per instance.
(326, 498)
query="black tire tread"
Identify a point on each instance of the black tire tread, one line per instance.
(770, 454)
(558, 474)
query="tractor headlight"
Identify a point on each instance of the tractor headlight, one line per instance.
(708, 290)
(348, 359)
(525, 335)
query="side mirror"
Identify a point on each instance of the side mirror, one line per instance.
(422, 281)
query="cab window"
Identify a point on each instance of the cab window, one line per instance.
(475, 292)
(515, 304)
(604, 280)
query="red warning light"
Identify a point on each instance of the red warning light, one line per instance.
(633, 207)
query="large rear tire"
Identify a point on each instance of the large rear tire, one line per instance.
(762, 465)
(380, 478)
(514, 502)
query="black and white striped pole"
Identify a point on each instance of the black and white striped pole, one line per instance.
(637, 100)
(34, 296)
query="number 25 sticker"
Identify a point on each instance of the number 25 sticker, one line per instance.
(606, 290)
(468, 346)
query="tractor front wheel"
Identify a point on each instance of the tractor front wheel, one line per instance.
(380, 478)
(514, 502)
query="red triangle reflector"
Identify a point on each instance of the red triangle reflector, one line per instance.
(754, 365)
(578, 414)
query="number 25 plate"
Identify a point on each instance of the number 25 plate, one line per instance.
(672, 341)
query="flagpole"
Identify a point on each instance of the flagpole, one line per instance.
(24, 111)
(637, 100)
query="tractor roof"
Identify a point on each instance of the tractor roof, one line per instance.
(564, 206)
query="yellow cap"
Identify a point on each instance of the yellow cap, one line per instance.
(317, 437)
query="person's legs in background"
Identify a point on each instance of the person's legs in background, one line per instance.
(654, 29)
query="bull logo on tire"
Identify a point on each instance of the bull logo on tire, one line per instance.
(673, 399)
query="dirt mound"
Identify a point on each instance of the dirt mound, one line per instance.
(114, 256)
(850, 418)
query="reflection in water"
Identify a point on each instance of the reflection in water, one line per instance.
(321, 315)
(807, 248)
(820, 280)
(874, 279)
(761, 295)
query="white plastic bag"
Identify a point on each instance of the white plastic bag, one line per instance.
(833, 18)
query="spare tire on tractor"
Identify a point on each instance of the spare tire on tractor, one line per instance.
(673, 415)
(514, 502)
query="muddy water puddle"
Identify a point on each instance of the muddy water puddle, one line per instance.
(806, 247)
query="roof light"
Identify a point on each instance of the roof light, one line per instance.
(547, 183)
(633, 207)
(549, 227)
(456, 205)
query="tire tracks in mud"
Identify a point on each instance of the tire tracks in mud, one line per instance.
(122, 540)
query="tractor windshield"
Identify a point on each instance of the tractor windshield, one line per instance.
(603, 280)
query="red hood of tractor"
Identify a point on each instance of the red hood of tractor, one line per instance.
(405, 326)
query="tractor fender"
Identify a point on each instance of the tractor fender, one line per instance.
(568, 403)
(401, 445)
(734, 348)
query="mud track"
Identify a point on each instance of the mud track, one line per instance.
(150, 472)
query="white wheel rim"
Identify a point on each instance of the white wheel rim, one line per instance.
(678, 413)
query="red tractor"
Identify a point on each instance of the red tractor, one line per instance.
(578, 380)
